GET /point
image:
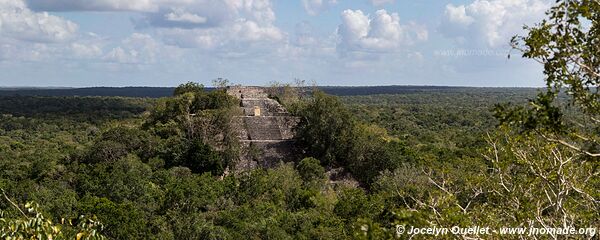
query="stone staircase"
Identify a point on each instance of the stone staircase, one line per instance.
(267, 139)
(269, 107)
(262, 128)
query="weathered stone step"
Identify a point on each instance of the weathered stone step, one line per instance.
(262, 128)
(268, 107)
(247, 92)
(240, 128)
(266, 154)
(249, 111)
(265, 129)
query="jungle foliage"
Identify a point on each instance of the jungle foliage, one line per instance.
(133, 168)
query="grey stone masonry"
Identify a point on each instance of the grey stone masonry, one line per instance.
(266, 129)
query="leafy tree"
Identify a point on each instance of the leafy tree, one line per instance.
(287, 94)
(426, 195)
(310, 170)
(328, 131)
(189, 87)
(374, 151)
(545, 156)
(32, 224)
(352, 203)
(194, 123)
(221, 83)
(122, 220)
(127, 179)
(202, 158)
(567, 44)
(119, 141)
(325, 128)
(540, 183)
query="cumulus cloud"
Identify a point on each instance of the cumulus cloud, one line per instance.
(205, 24)
(242, 32)
(26, 35)
(141, 48)
(18, 52)
(491, 22)
(182, 16)
(94, 5)
(170, 10)
(381, 2)
(380, 32)
(224, 24)
(20, 23)
(30, 36)
(314, 7)
(85, 51)
(193, 14)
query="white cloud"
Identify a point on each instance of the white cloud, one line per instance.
(81, 50)
(381, 2)
(95, 5)
(241, 32)
(314, 7)
(205, 24)
(11, 51)
(229, 23)
(120, 55)
(20, 23)
(258, 10)
(252, 31)
(182, 16)
(381, 32)
(491, 22)
(141, 49)
(30, 36)
(458, 15)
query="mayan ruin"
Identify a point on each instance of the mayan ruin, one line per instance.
(267, 129)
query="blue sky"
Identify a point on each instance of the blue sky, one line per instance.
(331, 42)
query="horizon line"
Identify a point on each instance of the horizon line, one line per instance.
(349, 86)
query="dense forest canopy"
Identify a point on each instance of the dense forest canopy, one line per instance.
(141, 168)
